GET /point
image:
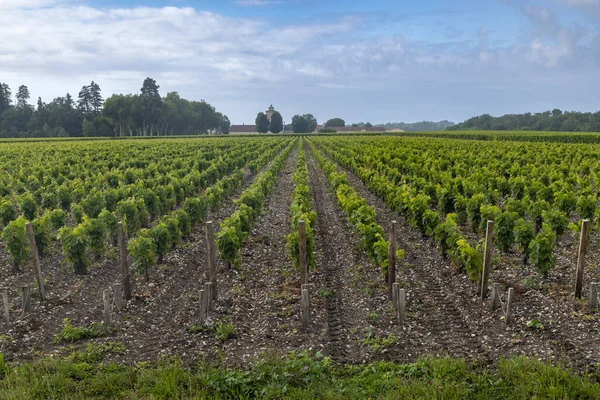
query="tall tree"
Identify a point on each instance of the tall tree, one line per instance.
(5, 98)
(305, 123)
(262, 123)
(84, 103)
(276, 124)
(96, 99)
(23, 96)
(335, 123)
(150, 105)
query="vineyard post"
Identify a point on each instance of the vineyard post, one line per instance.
(305, 307)
(6, 305)
(401, 306)
(107, 308)
(583, 245)
(202, 305)
(26, 299)
(123, 261)
(211, 256)
(302, 252)
(391, 270)
(593, 296)
(36, 260)
(118, 293)
(495, 296)
(509, 301)
(208, 287)
(396, 297)
(487, 259)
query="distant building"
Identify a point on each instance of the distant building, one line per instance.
(251, 128)
(270, 112)
(242, 129)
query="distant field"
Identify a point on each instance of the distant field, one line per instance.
(523, 136)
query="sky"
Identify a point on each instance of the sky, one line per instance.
(377, 60)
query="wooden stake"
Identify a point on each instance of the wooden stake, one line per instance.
(4, 292)
(118, 293)
(593, 296)
(395, 298)
(495, 296)
(509, 301)
(303, 261)
(583, 245)
(401, 306)
(202, 305)
(391, 271)
(33, 251)
(487, 259)
(211, 257)
(123, 261)
(26, 299)
(107, 306)
(305, 307)
(208, 287)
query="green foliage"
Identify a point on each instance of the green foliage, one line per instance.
(474, 210)
(300, 209)
(276, 124)
(196, 208)
(431, 220)
(162, 239)
(488, 213)
(542, 250)
(77, 212)
(71, 333)
(335, 123)
(74, 244)
(523, 237)
(16, 244)
(505, 230)
(95, 232)
(109, 220)
(467, 258)
(586, 207)
(28, 206)
(224, 331)
(557, 220)
(56, 218)
(8, 212)
(143, 251)
(41, 233)
(262, 123)
(305, 123)
(184, 223)
(93, 204)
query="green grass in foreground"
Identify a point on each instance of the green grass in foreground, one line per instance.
(84, 376)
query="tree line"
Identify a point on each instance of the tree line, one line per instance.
(141, 114)
(555, 120)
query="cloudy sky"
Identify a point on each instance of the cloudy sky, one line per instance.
(376, 60)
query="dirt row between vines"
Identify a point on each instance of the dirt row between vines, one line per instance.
(445, 315)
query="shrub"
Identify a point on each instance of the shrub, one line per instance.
(557, 220)
(8, 212)
(523, 237)
(28, 206)
(162, 240)
(41, 233)
(542, 250)
(95, 230)
(16, 244)
(74, 244)
(474, 210)
(504, 227)
(77, 212)
(143, 251)
(93, 204)
(109, 220)
(56, 218)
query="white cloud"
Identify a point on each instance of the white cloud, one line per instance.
(237, 63)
